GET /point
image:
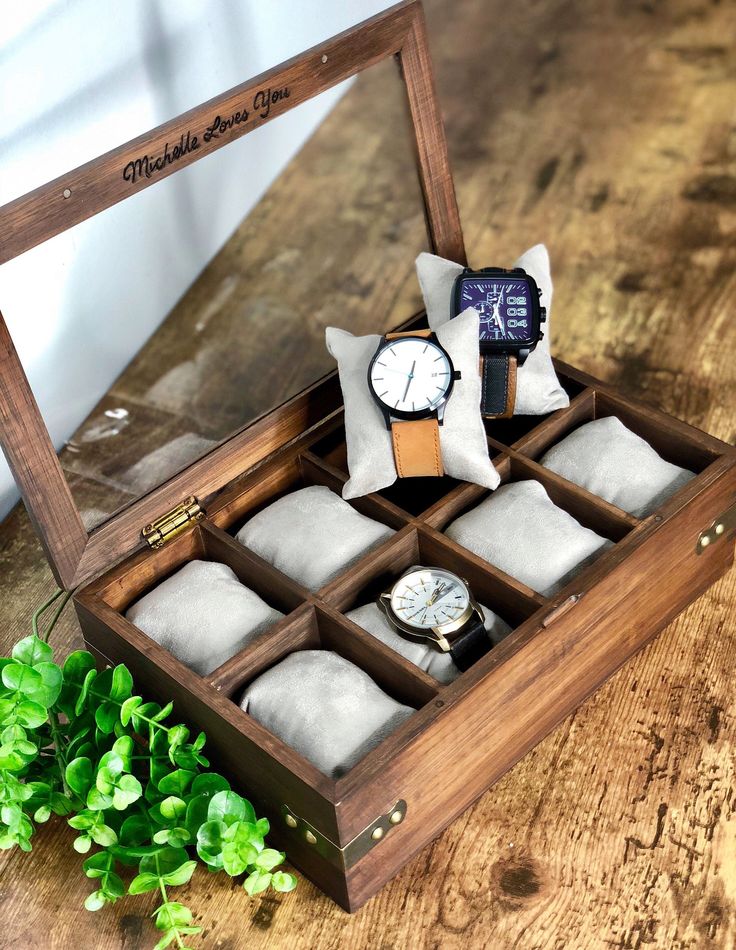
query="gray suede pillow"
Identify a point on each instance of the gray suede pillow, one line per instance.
(538, 389)
(439, 665)
(462, 436)
(324, 707)
(616, 464)
(312, 535)
(202, 614)
(520, 530)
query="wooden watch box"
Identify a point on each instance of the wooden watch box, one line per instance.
(352, 835)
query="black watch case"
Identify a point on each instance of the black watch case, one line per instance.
(519, 349)
(401, 414)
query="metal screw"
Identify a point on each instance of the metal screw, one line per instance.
(719, 528)
(396, 817)
(704, 541)
(310, 838)
(67, 192)
(291, 821)
(377, 834)
(324, 57)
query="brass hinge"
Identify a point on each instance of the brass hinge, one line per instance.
(360, 845)
(717, 530)
(173, 523)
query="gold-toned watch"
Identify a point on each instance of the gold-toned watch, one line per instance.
(411, 378)
(437, 606)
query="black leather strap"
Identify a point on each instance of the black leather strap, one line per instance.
(470, 646)
(495, 378)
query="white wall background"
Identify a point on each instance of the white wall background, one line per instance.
(78, 77)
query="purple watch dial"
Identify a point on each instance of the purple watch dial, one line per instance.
(504, 305)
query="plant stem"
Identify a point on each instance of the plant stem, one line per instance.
(64, 601)
(162, 888)
(42, 609)
(57, 740)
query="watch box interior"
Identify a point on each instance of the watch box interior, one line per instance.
(351, 835)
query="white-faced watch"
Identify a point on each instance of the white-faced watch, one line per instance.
(437, 606)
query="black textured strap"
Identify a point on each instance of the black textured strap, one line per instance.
(470, 646)
(494, 394)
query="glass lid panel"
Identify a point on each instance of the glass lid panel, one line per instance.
(153, 331)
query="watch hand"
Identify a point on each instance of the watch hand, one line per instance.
(501, 321)
(436, 594)
(408, 382)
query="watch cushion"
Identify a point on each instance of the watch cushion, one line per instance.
(369, 444)
(427, 657)
(538, 390)
(520, 530)
(202, 615)
(611, 461)
(324, 707)
(312, 535)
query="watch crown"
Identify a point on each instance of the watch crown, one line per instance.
(542, 314)
(457, 375)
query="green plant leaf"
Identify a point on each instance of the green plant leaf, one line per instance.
(103, 835)
(127, 790)
(163, 713)
(165, 861)
(168, 938)
(172, 808)
(122, 684)
(269, 859)
(32, 650)
(283, 881)
(82, 844)
(142, 883)
(181, 875)
(209, 783)
(210, 843)
(106, 717)
(30, 714)
(95, 901)
(98, 864)
(97, 800)
(128, 708)
(176, 783)
(78, 774)
(135, 830)
(172, 914)
(228, 807)
(21, 678)
(112, 763)
(89, 679)
(51, 683)
(42, 814)
(124, 747)
(257, 881)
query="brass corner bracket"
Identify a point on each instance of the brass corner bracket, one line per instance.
(355, 849)
(717, 530)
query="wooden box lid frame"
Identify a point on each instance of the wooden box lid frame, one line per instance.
(75, 554)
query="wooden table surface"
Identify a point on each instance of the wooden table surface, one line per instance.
(607, 130)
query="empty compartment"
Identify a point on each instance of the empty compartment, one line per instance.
(327, 689)
(537, 528)
(504, 605)
(294, 517)
(632, 457)
(202, 599)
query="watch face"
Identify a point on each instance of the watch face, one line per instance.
(411, 374)
(429, 597)
(505, 306)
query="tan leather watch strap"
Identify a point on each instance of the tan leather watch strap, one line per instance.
(417, 448)
(498, 385)
(423, 333)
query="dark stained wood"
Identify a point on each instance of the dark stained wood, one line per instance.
(35, 466)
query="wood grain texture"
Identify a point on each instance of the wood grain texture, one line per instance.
(611, 139)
